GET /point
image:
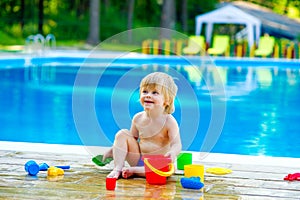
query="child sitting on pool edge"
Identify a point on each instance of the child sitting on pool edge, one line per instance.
(153, 131)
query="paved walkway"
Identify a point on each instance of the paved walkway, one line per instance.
(86, 181)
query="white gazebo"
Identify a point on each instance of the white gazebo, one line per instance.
(229, 15)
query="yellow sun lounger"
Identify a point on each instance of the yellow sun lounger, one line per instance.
(265, 46)
(220, 45)
(196, 44)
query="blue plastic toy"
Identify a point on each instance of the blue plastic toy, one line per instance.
(44, 167)
(191, 183)
(33, 168)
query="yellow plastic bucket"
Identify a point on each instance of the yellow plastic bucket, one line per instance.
(194, 170)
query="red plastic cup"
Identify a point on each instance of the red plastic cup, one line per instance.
(111, 183)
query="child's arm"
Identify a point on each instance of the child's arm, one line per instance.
(133, 129)
(174, 137)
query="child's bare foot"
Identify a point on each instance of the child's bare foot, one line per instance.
(114, 174)
(127, 172)
(130, 171)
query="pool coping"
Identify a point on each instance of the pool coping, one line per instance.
(198, 157)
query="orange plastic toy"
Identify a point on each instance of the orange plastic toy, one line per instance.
(55, 171)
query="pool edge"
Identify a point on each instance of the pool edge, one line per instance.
(197, 156)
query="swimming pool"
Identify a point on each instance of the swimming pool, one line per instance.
(244, 106)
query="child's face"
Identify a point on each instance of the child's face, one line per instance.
(152, 98)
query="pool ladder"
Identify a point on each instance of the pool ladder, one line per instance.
(37, 44)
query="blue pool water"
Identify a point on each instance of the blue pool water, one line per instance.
(249, 108)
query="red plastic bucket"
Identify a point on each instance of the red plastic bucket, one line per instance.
(159, 163)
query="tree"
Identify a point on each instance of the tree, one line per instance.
(130, 19)
(167, 18)
(94, 32)
(22, 9)
(184, 15)
(41, 16)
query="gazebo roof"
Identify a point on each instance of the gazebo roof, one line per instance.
(272, 23)
(228, 14)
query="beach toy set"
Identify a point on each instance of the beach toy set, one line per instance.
(32, 168)
(157, 169)
(194, 173)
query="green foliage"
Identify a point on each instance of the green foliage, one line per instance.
(7, 39)
(147, 12)
(64, 24)
(112, 22)
(198, 7)
(69, 19)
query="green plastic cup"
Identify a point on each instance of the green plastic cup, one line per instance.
(184, 159)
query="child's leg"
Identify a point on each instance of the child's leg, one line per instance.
(126, 148)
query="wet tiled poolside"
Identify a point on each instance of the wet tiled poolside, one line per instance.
(84, 180)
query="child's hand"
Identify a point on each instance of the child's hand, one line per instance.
(171, 155)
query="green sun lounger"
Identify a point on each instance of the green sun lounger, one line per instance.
(220, 45)
(265, 46)
(195, 45)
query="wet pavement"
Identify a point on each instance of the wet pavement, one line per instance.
(85, 180)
